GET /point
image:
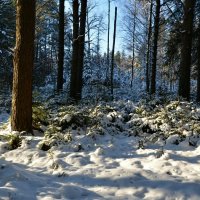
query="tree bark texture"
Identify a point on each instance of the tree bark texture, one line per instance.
(21, 118)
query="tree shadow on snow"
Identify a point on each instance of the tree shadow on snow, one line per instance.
(18, 182)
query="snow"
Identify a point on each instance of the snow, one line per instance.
(108, 166)
(4, 117)
(116, 169)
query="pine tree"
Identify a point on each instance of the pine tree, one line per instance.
(21, 119)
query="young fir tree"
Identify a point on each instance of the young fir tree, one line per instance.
(21, 119)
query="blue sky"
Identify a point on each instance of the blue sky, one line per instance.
(102, 8)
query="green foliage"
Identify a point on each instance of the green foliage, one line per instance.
(40, 116)
(13, 140)
(157, 120)
(54, 139)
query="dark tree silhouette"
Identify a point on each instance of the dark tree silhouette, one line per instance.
(155, 47)
(61, 44)
(185, 64)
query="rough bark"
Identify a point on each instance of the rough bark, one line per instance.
(21, 118)
(155, 47)
(61, 44)
(185, 64)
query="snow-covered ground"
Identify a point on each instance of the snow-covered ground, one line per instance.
(109, 166)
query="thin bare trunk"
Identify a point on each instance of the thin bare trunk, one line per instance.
(108, 42)
(149, 47)
(113, 53)
(133, 53)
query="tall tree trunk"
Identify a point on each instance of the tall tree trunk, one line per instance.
(185, 64)
(113, 53)
(74, 67)
(21, 118)
(133, 40)
(198, 65)
(155, 47)
(81, 48)
(108, 43)
(149, 47)
(108, 36)
(61, 44)
(89, 42)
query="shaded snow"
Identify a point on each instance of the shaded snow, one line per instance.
(113, 169)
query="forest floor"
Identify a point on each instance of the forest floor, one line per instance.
(119, 150)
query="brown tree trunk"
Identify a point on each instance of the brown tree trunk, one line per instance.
(81, 48)
(61, 44)
(113, 53)
(185, 64)
(74, 67)
(155, 47)
(149, 47)
(21, 119)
